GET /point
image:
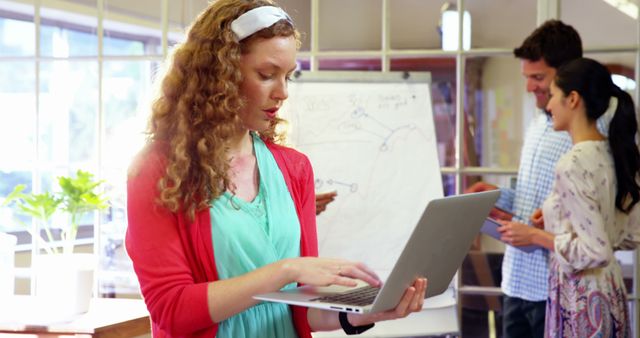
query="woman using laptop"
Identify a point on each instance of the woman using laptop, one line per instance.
(593, 208)
(218, 210)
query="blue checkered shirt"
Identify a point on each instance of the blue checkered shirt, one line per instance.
(524, 275)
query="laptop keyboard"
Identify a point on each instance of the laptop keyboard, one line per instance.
(360, 296)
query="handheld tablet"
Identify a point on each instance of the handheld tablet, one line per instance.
(490, 227)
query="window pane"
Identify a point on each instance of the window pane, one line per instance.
(17, 31)
(126, 97)
(481, 314)
(132, 28)
(414, 24)
(498, 111)
(68, 113)
(443, 97)
(444, 112)
(17, 94)
(300, 12)
(350, 64)
(60, 221)
(618, 63)
(10, 219)
(61, 42)
(65, 33)
(620, 29)
(127, 89)
(485, 246)
(363, 33)
(116, 44)
(49, 182)
(448, 184)
(502, 180)
(116, 274)
(482, 268)
(180, 16)
(501, 24)
(625, 258)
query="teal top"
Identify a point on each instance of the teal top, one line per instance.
(248, 235)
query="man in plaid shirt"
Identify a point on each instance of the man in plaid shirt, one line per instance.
(524, 275)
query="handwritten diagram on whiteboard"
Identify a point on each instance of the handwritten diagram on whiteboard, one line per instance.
(373, 143)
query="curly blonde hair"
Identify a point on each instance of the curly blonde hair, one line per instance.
(195, 112)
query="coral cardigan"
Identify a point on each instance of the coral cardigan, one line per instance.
(174, 260)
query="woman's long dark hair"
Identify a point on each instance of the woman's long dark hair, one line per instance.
(593, 82)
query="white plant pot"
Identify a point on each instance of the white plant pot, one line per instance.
(64, 282)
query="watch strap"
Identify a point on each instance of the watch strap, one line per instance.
(350, 329)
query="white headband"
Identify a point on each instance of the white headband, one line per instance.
(257, 19)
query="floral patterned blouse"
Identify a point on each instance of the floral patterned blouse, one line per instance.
(587, 295)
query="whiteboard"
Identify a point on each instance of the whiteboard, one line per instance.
(371, 138)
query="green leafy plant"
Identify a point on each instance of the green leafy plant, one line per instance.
(77, 196)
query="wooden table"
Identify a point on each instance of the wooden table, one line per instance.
(23, 316)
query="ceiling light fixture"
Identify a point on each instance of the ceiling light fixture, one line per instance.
(449, 27)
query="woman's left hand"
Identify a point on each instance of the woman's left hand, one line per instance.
(411, 301)
(322, 200)
(515, 233)
(537, 219)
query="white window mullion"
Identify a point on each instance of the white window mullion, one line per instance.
(97, 243)
(385, 62)
(35, 174)
(315, 32)
(164, 18)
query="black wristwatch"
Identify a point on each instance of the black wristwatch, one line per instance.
(350, 329)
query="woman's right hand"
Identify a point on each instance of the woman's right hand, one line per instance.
(321, 271)
(536, 219)
(411, 301)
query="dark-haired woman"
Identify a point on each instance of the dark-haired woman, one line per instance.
(593, 207)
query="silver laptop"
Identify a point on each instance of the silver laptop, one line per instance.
(435, 249)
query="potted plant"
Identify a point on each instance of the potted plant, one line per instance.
(64, 280)
(77, 196)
